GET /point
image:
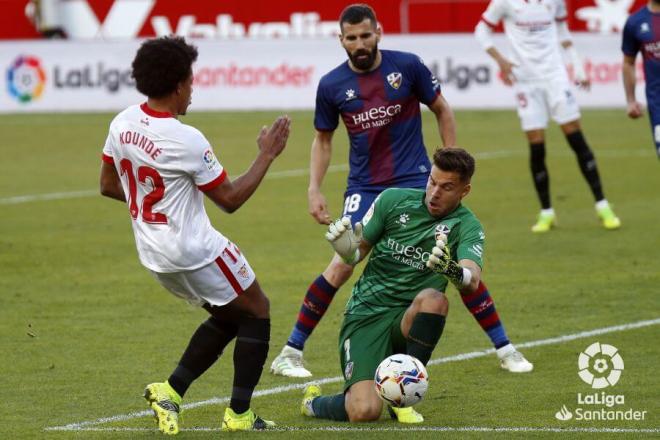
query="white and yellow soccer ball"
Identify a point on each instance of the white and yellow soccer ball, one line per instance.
(401, 380)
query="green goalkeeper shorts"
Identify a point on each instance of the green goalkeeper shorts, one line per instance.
(364, 341)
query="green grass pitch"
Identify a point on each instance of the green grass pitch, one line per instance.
(83, 327)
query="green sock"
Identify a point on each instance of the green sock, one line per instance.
(330, 407)
(424, 335)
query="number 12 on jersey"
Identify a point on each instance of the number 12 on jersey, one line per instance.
(144, 173)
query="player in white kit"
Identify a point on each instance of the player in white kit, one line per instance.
(536, 29)
(162, 169)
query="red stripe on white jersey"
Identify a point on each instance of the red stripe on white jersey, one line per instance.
(492, 25)
(154, 113)
(229, 275)
(107, 159)
(213, 183)
(231, 256)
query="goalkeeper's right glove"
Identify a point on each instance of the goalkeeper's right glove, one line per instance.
(345, 240)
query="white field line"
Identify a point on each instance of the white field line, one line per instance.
(285, 388)
(397, 429)
(303, 172)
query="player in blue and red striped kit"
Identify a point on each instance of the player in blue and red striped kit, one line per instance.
(642, 33)
(377, 95)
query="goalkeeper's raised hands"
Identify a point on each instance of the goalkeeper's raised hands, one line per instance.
(345, 240)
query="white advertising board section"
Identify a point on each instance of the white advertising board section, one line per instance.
(252, 74)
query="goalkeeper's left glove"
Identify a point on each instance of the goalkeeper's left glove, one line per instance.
(440, 261)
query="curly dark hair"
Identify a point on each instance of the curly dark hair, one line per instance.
(454, 159)
(356, 13)
(160, 64)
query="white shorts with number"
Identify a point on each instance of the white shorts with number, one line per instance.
(539, 100)
(217, 283)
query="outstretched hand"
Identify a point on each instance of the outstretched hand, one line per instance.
(272, 140)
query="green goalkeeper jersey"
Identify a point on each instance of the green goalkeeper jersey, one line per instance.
(403, 232)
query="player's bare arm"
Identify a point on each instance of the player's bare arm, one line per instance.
(446, 121)
(110, 183)
(483, 33)
(579, 75)
(230, 195)
(475, 278)
(318, 167)
(629, 79)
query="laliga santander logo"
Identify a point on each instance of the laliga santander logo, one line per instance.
(26, 79)
(600, 365)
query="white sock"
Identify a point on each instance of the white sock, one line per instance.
(503, 351)
(602, 204)
(549, 211)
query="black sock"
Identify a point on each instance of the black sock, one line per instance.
(587, 163)
(330, 407)
(203, 350)
(424, 335)
(250, 354)
(540, 173)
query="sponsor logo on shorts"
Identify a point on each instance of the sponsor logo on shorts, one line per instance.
(369, 214)
(243, 272)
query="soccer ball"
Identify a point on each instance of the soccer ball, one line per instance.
(401, 380)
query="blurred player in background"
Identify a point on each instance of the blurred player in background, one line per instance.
(399, 305)
(162, 169)
(535, 30)
(377, 93)
(642, 32)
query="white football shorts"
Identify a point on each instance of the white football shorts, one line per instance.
(217, 283)
(539, 100)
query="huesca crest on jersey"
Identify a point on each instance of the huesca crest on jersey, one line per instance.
(395, 79)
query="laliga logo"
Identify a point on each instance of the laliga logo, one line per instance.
(600, 365)
(26, 79)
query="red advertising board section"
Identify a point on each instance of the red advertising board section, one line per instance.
(396, 16)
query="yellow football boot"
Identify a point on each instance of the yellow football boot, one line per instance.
(405, 415)
(609, 219)
(544, 222)
(166, 405)
(311, 392)
(248, 421)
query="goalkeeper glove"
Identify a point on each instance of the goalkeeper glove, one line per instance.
(440, 261)
(345, 240)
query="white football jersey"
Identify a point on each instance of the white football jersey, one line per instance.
(531, 28)
(164, 166)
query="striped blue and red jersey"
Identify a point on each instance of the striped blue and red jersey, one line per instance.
(382, 115)
(642, 33)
